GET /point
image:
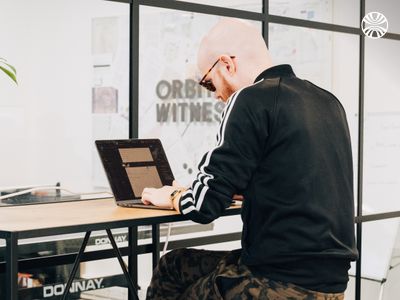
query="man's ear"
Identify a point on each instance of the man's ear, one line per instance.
(228, 63)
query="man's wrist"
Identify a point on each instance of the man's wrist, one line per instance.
(175, 197)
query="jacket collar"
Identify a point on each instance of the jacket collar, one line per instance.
(276, 71)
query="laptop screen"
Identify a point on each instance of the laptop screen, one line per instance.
(132, 165)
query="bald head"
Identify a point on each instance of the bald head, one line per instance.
(234, 37)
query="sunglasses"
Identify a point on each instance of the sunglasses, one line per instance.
(208, 83)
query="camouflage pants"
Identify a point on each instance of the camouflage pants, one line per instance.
(190, 274)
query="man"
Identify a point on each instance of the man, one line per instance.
(284, 144)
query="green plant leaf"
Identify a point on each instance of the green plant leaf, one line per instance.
(11, 67)
(9, 73)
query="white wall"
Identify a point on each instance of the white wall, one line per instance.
(45, 121)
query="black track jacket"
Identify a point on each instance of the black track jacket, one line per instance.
(284, 144)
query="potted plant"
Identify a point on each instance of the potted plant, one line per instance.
(8, 69)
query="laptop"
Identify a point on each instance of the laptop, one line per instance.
(131, 165)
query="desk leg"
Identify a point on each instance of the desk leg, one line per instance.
(76, 265)
(155, 234)
(132, 287)
(133, 256)
(12, 267)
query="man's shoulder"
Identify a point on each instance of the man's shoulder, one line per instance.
(261, 93)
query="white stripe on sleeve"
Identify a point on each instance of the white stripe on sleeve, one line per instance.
(188, 210)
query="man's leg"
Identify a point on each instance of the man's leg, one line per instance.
(179, 269)
(264, 289)
(231, 280)
(213, 287)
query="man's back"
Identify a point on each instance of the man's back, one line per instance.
(298, 209)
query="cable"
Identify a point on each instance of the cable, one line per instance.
(40, 188)
(24, 187)
(167, 239)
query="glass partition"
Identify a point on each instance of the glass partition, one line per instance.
(72, 61)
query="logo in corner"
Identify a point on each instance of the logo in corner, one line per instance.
(374, 25)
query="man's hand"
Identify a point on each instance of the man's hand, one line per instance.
(159, 197)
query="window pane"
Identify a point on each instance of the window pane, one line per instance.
(250, 5)
(341, 12)
(72, 62)
(380, 266)
(378, 259)
(172, 106)
(327, 59)
(382, 126)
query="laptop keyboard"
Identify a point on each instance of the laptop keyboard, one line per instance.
(130, 204)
